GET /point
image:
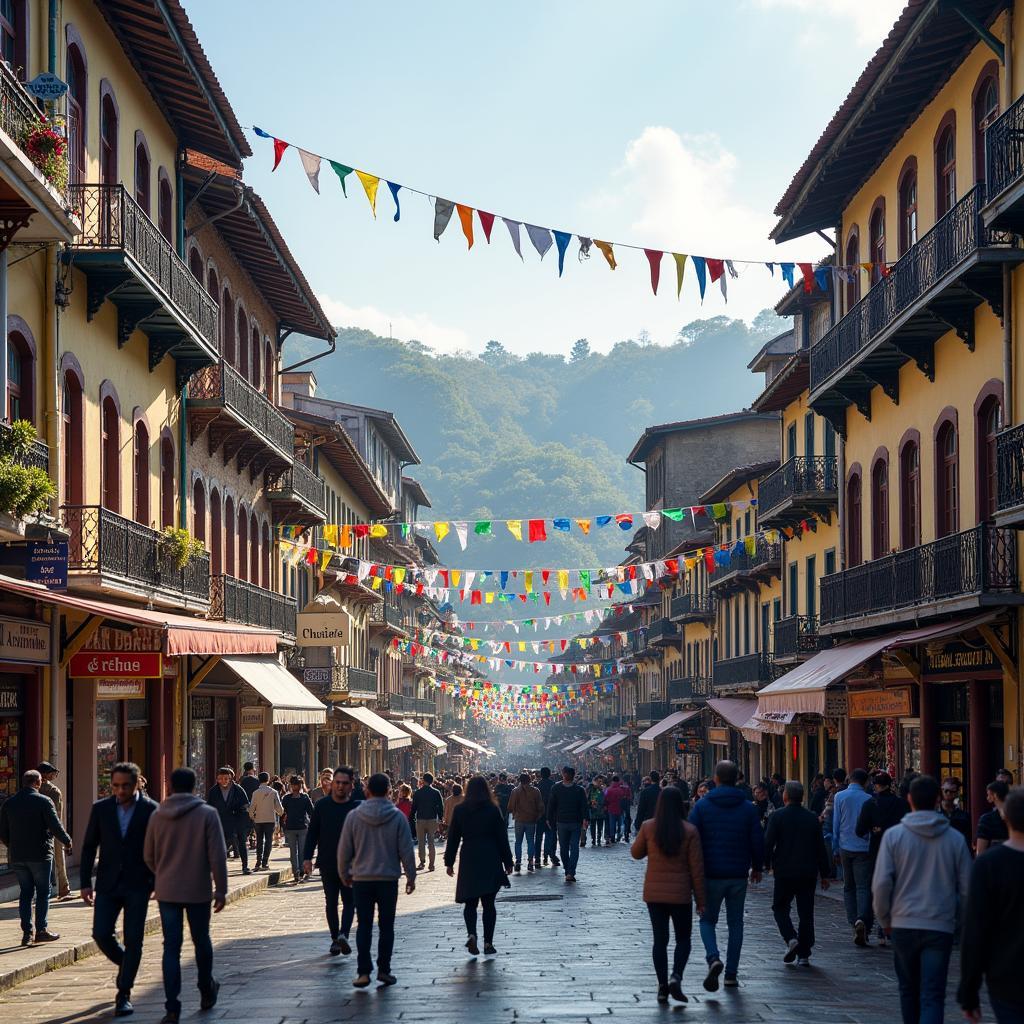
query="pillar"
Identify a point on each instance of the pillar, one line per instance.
(856, 744)
(929, 737)
(977, 747)
(83, 754)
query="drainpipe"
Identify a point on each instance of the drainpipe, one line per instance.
(3, 320)
(179, 191)
(52, 40)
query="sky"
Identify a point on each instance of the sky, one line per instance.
(662, 123)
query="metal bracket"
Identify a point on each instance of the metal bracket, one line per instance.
(982, 33)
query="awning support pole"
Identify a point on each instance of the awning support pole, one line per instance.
(195, 678)
(990, 637)
(81, 636)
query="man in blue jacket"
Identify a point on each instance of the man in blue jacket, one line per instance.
(733, 845)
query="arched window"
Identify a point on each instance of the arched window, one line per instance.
(216, 534)
(908, 206)
(854, 547)
(14, 36)
(876, 240)
(195, 264)
(110, 449)
(165, 206)
(143, 173)
(910, 495)
(73, 447)
(108, 139)
(199, 511)
(212, 288)
(880, 508)
(242, 336)
(985, 110)
(265, 546)
(852, 290)
(167, 470)
(20, 377)
(140, 462)
(268, 369)
(257, 374)
(227, 327)
(243, 544)
(945, 168)
(989, 422)
(78, 90)
(947, 481)
(229, 536)
(254, 551)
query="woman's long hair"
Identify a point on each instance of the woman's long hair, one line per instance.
(478, 793)
(668, 821)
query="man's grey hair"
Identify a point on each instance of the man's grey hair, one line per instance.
(32, 778)
(794, 792)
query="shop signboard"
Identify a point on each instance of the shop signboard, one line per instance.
(894, 702)
(47, 563)
(689, 745)
(718, 735)
(252, 718)
(317, 675)
(120, 689)
(115, 665)
(141, 638)
(957, 660)
(24, 641)
(316, 629)
(47, 86)
(11, 697)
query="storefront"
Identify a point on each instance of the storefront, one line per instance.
(428, 746)
(660, 739)
(611, 751)
(379, 740)
(891, 724)
(24, 649)
(734, 735)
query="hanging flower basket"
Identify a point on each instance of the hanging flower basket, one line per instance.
(48, 150)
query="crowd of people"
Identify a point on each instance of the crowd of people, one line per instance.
(903, 855)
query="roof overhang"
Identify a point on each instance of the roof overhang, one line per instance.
(290, 701)
(790, 382)
(736, 478)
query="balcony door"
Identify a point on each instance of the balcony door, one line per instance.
(108, 140)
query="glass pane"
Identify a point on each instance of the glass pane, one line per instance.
(108, 741)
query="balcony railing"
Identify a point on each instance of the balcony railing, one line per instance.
(693, 606)
(106, 543)
(358, 682)
(741, 561)
(688, 688)
(235, 600)
(652, 711)
(1010, 462)
(752, 670)
(797, 635)
(19, 114)
(385, 614)
(38, 454)
(955, 237)
(614, 721)
(1004, 149)
(301, 482)
(411, 705)
(662, 631)
(975, 562)
(802, 479)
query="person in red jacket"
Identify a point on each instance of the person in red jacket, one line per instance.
(615, 796)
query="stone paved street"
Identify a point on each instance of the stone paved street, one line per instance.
(582, 955)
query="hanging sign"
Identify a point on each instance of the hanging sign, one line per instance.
(47, 563)
(46, 86)
(316, 629)
(110, 665)
(718, 735)
(252, 718)
(317, 676)
(895, 702)
(25, 641)
(120, 689)
(956, 660)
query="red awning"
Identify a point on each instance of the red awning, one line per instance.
(183, 634)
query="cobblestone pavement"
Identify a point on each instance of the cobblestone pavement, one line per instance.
(565, 954)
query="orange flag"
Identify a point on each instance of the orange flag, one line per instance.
(466, 216)
(606, 248)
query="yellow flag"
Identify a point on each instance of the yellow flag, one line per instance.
(370, 183)
(346, 536)
(325, 558)
(489, 597)
(376, 584)
(584, 525)
(606, 248)
(680, 266)
(563, 579)
(515, 527)
(456, 577)
(441, 530)
(378, 530)
(522, 645)
(528, 582)
(331, 534)
(751, 545)
(399, 574)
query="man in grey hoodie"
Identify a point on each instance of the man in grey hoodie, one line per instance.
(920, 885)
(375, 845)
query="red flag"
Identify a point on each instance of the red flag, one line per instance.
(625, 520)
(716, 268)
(362, 530)
(444, 577)
(654, 258)
(709, 559)
(808, 271)
(545, 575)
(279, 147)
(486, 222)
(538, 531)
(547, 597)
(672, 564)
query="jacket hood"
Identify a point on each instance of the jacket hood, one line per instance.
(378, 810)
(927, 824)
(727, 796)
(179, 804)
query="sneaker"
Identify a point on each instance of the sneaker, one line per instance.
(663, 993)
(26, 937)
(803, 961)
(731, 981)
(715, 968)
(675, 989)
(208, 1000)
(529, 865)
(471, 945)
(363, 981)
(386, 978)
(790, 951)
(489, 949)
(123, 1005)
(860, 934)
(519, 868)
(46, 936)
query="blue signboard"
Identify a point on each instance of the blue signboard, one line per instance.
(47, 87)
(47, 563)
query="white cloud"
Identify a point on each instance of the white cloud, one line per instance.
(871, 19)
(418, 326)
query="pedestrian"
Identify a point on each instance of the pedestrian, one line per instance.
(228, 799)
(853, 852)
(264, 808)
(450, 803)
(762, 804)
(674, 877)
(49, 788)
(322, 838)
(614, 797)
(627, 808)
(375, 845)
(184, 849)
(733, 845)
(325, 784)
(596, 813)
(28, 826)
(297, 811)
(920, 882)
(117, 831)
(647, 800)
(992, 827)
(819, 794)
(992, 946)
(744, 787)
(427, 811)
(250, 781)
(567, 815)
(877, 815)
(794, 849)
(478, 825)
(503, 793)
(950, 807)
(526, 806)
(545, 844)
(1004, 775)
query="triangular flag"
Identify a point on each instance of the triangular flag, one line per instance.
(279, 147)
(441, 531)
(540, 237)
(680, 267)
(808, 274)
(462, 532)
(443, 209)
(584, 525)
(606, 249)
(394, 195)
(700, 268)
(513, 230)
(515, 527)
(342, 172)
(370, 183)
(466, 217)
(311, 165)
(654, 258)
(562, 239)
(538, 531)
(486, 222)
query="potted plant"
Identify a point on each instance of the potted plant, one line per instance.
(24, 490)
(48, 150)
(179, 546)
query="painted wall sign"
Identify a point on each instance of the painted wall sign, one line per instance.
(111, 665)
(317, 630)
(47, 563)
(895, 702)
(24, 641)
(11, 697)
(141, 638)
(317, 676)
(120, 689)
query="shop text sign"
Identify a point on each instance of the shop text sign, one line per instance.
(115, 665)
(718, 735)
(961, 659)
(896, 702)
(47, 564)
(316, 630)
(120, 689)
(24, 641)
(252, 718)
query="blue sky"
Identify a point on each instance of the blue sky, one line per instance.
(674, 125)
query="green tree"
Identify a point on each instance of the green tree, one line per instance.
(580, 350)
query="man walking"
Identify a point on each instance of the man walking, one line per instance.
(427, 811)
(28, 825)
(503, 793)
(795, 849)
(567, 815)
(544, 844)
(375, 845)
(228, 799)
(250, 781)
(733, 844)
(854, 853)
(647, 800)
(117, 830)
(322, 837)
(298, 812)
(324, 788)
(265, 808)
(526, 806)
(614, 796)
(877, 815)
(50, 789)
(920, 883)
(184, 849)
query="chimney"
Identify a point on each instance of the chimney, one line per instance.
(302, 383)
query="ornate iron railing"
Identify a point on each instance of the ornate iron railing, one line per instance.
(652, 711)
(1010, 462)
(693, 606)
(977, 561)
(688, 688)
(955, 237)
(19, 114)
(386, 615)
(38, 454)
(740, 560)
(748, 669)
(303, 482)
(411, 705)
(112, 220)
(222, 383)
(1004, 149)
(796, 635)
(347, 679)
(662, 629)
(235, 600)
(800, 477)
(104, 542)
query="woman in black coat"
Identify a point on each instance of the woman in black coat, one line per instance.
(486, 860)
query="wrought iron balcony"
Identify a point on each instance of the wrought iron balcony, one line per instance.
(348, 681)
(649, 712)
(239, 420)
(693, 607)
(1004, 169)
(933, 288)
(742, 565)
(297, 496)
(38, 454)
(406, 705)
(107, 551)
(640, 648)
(610, 722)
(971, 569)
(662, 632)
(1010, 463)
(797, 637)
(688, 688)
(127, 260)
(803, 486)
(747, 672)
(235, 600)
(386, 617)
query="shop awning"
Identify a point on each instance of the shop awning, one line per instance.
(471, 745)
(397, 739)
(589, 745)
(183, 634)
(426, 735)
(774, 722)
(803, 689)
(572, 745)
(647, 739)
(292, 703)
(735, 710)
(612, 741)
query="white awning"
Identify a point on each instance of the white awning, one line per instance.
(613, 741)
(426, 735)
(648, 738)
(588, 745)
(396, 738)
(292, 703)
(471, 745)
(570, 747)
(737, 711)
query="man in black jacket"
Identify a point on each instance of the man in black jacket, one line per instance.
(427, 811)
(545, 840)
(322, 836)
(567, 815)
(228, 799)
(795, 849)
(117, 827)
(28, 824)
(647, 801)
(879, 814)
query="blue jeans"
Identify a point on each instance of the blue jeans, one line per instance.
(734, 892)
(296, 840)
(569, 846)
(134, 903)
(34, 878)
(172, 919)
(857, 871)
(528, 829)
(922, 960)
(613, 830)
(545, 840)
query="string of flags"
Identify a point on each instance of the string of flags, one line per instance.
(442, 638)
(707, 270)
(534, 622)
(445, 656)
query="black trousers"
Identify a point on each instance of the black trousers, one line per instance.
(134, 903)
(237, 836)
(490, 915)
(681, 917)
(596, 828)
(333, 889)
(383, 896)
(802, 889)
(264, 841)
